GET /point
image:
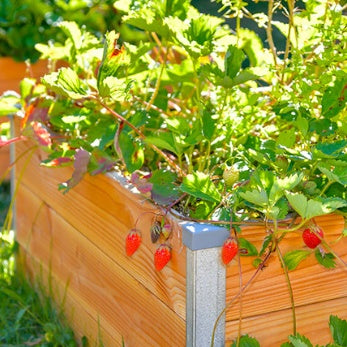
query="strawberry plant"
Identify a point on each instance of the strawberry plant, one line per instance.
(209, 123)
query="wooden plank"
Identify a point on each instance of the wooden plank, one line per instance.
(117, 297)
(76, 315)
(310, 281)
(13, 72)
(109, 211)
(4, 161)
(273, 328)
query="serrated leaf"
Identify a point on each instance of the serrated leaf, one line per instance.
(256, 197)
(247, 248)
(113, 61)
(72, 31)
(300, 341)
(200, 186)
(293, 258)
(246, 341)
(338, 174)
(338, 328)
(307, 209)
(325, 259)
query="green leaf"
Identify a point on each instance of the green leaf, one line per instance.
(256, 197)
(208, 124)
(164, 191)
(300, 341)
(287, 138)
(72, 31)
(293, 258)
(132, 152)
(233, 61)
(307, 209)
(200, 186)
(325, 259)
(250, 249)
(335, 97)
(114, 60)
(290, 182)
(165, 140)
(331, 149)
(9, 103)
(66, 82)
(338, 328)
(246, 341)
(338, 174)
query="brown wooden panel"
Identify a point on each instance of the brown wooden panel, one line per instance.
(13, 72)
(311, 282)
(272, 329)
(76, 311)
(4, 161)
(117, 297)
(104, 211)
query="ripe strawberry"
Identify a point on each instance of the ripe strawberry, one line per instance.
(162, 256)
(229, 250)
(230, 176)
(309, 237)
(132, 241)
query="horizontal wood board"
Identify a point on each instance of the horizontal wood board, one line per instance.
(109, 292)
(95, 208)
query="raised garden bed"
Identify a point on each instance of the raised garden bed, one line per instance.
(76, 241)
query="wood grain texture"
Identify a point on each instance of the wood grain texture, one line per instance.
(4, 161)
(310, 281)
(273, 328)
(13, 72)
(103, 211)
(124, 305)
(76, 311)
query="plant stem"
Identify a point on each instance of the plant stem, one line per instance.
(142, 136)
(269, 31)
(290, 289)
(157, 84)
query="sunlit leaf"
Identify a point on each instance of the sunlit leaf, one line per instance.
(200, 186)
(293, 258)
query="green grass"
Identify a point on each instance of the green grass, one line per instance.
(28, 317)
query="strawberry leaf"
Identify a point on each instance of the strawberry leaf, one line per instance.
(325, 259)
(247, 248)
(246, 341)
(164, 190)
(338, 328)
(300, 341)
(256, 197)
(293, 258)
(200, 186)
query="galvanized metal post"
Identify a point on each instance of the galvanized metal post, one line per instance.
(205, 283)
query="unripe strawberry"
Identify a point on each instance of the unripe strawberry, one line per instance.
(162, 256)
(229, 250)
(132, 241)
(155, 231)
(230, 176)
(310, 238)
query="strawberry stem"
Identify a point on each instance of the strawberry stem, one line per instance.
(290, 289)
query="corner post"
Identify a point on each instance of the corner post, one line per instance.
(205, 283)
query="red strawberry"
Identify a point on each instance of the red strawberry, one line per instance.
(132, 241)
(310, 238)
(229, 250)
(162, 256)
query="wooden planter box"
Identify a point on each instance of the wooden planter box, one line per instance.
(13, 72)
(75, 244)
